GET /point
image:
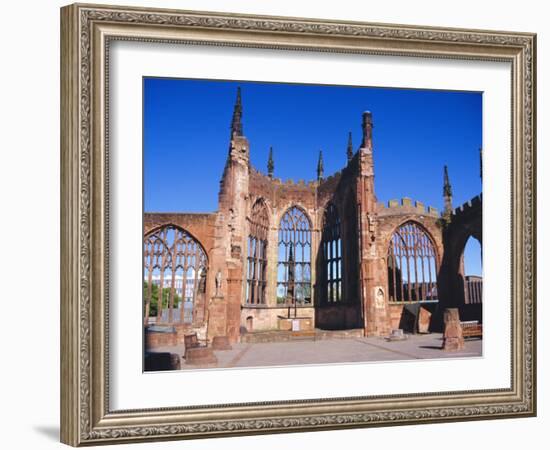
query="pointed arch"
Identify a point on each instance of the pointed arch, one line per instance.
(174, 264)
(256, 271)
(259, 218)
(294, 258)
(412, 264)
(297, 215)
(471, 262)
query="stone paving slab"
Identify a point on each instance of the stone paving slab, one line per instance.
(333, 351)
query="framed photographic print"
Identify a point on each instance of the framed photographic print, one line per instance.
(275, 224)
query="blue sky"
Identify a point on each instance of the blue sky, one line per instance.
(416, 132)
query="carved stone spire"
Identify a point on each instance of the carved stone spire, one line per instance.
(447, 195)
(270, 163)
(236, 122)
(239, 147)
(367, 131)
(320, 168)
(447, 190)
(350, 148)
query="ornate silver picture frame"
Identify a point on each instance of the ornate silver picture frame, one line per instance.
(87, 34)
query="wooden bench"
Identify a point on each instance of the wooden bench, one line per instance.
(471, 329)
(191, 340)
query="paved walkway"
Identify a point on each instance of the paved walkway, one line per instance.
(333, 351)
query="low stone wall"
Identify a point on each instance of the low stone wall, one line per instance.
(160, 337)
(287, 336)
(169, 335)
(295, 324)
(263, 319)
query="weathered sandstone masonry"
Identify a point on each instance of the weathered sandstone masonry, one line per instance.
(334, 266)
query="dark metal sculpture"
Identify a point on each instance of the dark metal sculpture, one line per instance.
(349, 150)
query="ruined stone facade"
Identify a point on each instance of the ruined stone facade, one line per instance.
(297, 255)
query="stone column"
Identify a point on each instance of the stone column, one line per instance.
(217, 313)
(453, 339)
(373, 269)
(230, 247)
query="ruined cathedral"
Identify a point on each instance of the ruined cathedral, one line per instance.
(280, 256)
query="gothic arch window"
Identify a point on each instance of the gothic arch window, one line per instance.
(175, 268)
(412, 265)
(257, 254)
(332, 255)
(294, 258)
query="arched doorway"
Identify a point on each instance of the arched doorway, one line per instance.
(472, 271)
(462, 236)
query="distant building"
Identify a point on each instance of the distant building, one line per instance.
(180, 283)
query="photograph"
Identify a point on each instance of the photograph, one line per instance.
(297, 224)
(273, 224)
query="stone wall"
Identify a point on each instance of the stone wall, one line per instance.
(366, 229)
(199, 225)
(396, 214)
(389, 218)
(263, 319)
(279, 196)
(312, 197)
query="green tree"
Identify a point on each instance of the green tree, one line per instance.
(153, 308)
